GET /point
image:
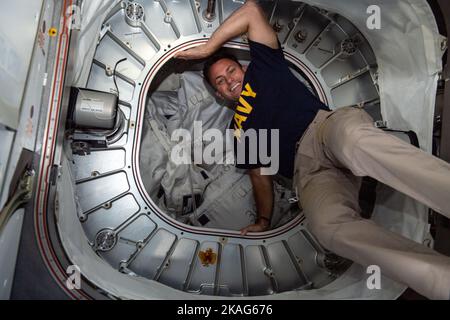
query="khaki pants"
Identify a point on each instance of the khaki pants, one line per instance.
(337, 149)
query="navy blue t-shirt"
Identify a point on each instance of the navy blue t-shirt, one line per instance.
(273, 98)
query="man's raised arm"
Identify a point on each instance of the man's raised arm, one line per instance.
(248, 19)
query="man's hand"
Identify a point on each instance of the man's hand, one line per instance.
(260, 226)
(248, 19)
(263, 192)
(199, 52)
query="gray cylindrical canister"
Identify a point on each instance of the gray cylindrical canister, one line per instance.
(95, 109)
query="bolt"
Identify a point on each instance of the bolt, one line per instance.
(268, 272)
(109, 71)
(168, 17)
(301, 35)
(209, 14)
(277, 26)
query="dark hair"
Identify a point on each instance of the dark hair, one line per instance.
(219, 55)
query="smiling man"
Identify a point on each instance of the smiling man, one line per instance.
(335, 149)
(226, 74)
(267, 83)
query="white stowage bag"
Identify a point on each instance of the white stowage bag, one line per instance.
(216, 196)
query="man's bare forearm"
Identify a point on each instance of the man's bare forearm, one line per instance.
(249, 19)
(263, 193)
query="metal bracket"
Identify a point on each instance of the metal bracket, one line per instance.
(380, 124)
(294, 199)
(21, 196)
(105, 29)
(336, 264)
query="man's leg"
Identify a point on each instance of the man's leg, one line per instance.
(351, 140)
(330, 203)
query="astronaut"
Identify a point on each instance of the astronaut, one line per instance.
(326, 153)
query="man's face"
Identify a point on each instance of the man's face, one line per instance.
(227, 76)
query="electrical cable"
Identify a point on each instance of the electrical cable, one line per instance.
(114, 74)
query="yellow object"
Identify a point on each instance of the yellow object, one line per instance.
(52, 32)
